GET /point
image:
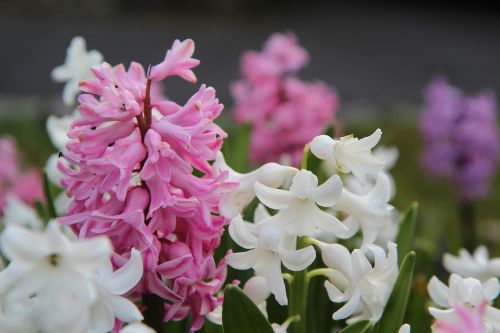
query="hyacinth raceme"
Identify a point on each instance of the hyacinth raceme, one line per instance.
(279, 105)
(25, 186)
(461, 138)
(130, 171)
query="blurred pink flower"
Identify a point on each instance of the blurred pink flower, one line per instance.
(26, 186)
(282, 109)
(140, 173)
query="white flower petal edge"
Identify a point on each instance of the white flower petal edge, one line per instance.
(469, 292)
(234, 202)
(76, 67)
(137, 328)
(58, 128)
(478, 265)
(370, 212)
(349, 154)
(405, 328)
(19, 213)
(364, 288)
(49, 268)
(268, 247)
(298, 208)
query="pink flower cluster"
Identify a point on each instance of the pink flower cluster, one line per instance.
(461, 136)
(26, 186)
(138, 170)
(285, 112)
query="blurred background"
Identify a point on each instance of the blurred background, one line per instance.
(379, 57)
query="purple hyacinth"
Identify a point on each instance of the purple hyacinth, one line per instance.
(461, 138)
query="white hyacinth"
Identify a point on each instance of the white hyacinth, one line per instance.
(353, 280)
(234, 202)
(268, 246)
(76, 67)
(349, 155)
(477, 265)
(468, 292)
(298, 207)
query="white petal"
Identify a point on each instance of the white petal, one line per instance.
(260, 213)
(491, 288)
(329, 192)
(124, 309)
(369, 142)
(127, 276)
(334, 294)
(438, 292)
(329, 223)
(298, 260)
(256, 289)
(303, 184)
(271, 270)
(20, 244)
(337, 257)
(405, 329)
(240, 232)
(322, 147)
(17, 212)
(91, 253)
(137, 328)
(243, 260)
(101, 318)
(360, 264)
(272, 197)
(350, 307)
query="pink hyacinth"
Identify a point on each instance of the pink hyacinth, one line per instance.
(140, 173)
(466, 321)
(462, 142)
(26, 186)
(285, 113)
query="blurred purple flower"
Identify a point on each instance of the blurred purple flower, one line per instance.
(461, 137)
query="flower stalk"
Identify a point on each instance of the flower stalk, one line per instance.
(298, 296)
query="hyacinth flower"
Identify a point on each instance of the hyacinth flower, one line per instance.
(468, 292)
(462, 144)
(364, 288)
(478, 265)
(275, 103)
(466, 321)
(25, 186)
(137, 168)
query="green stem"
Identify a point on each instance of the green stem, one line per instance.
(153, 315)
(305, 156)
(318, 272)
(298, 297)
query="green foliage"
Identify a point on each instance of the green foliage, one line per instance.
(407, 231)
(51, 210)
(241, 315)
(395, 310)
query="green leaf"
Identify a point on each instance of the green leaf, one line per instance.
(362, 326)
(407, 231)
(48, 197)
(239, 149)
(241, 315)
(395, 310)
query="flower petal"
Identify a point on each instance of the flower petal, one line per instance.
(350, 307)
(243, 260)
(124, 309)
(127, 276)
(240, 232)
(272, 197)
(297, 260)
(438, 292)
(303, 184)
(329, 192)
(23, 245)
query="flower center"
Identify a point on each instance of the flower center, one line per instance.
(54, 259)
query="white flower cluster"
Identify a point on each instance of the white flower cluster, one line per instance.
(473, 282)
(55, 283)
(293, 205)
